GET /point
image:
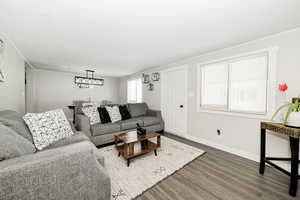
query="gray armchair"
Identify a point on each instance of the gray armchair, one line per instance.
(69, 172)
(70, 169)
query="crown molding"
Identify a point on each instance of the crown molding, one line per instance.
(8, 40)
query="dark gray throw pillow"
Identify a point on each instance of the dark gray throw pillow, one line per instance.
(15, 121)
(12, 144)
(124, 112)
(104, 116)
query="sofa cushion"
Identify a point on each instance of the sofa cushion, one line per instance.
(101, 129)
(15, 121)
(124, 112)
(148, 120)
(137, 109)
(104, 116)
(12, 144)
(77, 137)
(131, 123)
(48, 127)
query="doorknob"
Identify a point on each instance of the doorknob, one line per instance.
(181, 106)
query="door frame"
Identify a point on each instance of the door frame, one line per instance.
(26, 68)
(163, 72)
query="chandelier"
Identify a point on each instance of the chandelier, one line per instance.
(89, 81)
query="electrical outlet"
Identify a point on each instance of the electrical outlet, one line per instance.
(218, 131)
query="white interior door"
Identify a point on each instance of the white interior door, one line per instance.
(174, 100)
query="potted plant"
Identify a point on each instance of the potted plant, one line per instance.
(292, 115)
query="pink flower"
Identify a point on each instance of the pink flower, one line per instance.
(283, 87)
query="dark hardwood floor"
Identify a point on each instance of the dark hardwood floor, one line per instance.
(220, 175)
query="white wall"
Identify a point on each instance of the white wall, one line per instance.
(57, 90)
(12, 91)
(240, 135)
(30, 91)
(123, 89)
(151, 96)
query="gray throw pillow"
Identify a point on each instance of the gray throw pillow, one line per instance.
(137, 109)
(18, 125)
(12, 144)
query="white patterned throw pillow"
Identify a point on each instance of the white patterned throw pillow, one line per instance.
(48, 127)
(91, 111)
(114, 113)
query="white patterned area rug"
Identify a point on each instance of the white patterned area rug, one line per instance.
(147, 170)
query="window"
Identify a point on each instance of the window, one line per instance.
(214, 86)
(248, 85)
(134, 91)
(236, 85)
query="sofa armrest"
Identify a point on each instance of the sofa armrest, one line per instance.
(154, 113)
(72, 126)
(83, 124)
(157, 113)
(70, 172)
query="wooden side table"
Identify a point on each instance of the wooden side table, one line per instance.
(293, 134)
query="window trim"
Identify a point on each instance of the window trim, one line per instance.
(271, 84)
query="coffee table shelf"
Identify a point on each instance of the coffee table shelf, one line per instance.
(125, 144)
(151, 146)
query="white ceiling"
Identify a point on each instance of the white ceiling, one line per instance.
(125, 36)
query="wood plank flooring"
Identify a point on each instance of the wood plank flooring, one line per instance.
(218, 175)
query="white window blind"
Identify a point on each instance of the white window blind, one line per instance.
(248, 85)
(134, 91)
(214, 86)
(236, 85)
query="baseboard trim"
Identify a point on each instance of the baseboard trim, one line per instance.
(224, 148)
(231, 150)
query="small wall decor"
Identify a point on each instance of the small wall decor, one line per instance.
(146, 78)
(1, 46)
(150, 87)
(1, 76)
(154, 77)
(1, 60)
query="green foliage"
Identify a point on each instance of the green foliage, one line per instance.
(292, 107)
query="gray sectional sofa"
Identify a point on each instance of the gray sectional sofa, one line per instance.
(101, 134)
(70, 169)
